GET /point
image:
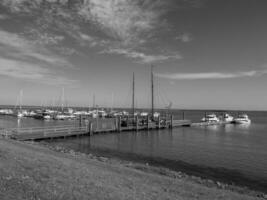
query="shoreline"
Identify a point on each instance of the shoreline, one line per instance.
(218, 177)
(61, 167)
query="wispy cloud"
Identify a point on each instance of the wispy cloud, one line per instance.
(124, 20)
(43, 38)
(30, 72)
(122, 24)
(211, 75)
(25, 60)
(12, 45)
(2, 17)
(142, 57)
(185, 37)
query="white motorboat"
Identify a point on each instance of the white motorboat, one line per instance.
(210, 118)
(20, 114)
(144, 114)
(60, 117)
(156, 114)
(227, 118)
(6, 112)
(47, 117)
(242, 119)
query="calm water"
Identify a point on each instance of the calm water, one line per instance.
(230, 150)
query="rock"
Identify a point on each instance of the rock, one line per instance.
(103, 159)
(25, 177)
(8, 178)
(219, 184)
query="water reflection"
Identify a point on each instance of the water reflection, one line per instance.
(228, 128)
(213, 127)
(18, 123)
(243, 126)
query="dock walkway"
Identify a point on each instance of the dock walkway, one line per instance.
(90, 128)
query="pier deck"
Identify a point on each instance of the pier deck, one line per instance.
(92, 127)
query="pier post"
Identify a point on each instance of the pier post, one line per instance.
(171, 125)
(147, 119)
(136, 123)
(159, 122)
(90, 128)
(119, 124)
(80, 120)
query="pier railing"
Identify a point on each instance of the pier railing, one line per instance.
(92, 126)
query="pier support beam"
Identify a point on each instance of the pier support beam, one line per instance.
(147, 119)
(159, 122)
(171, 124)
(119, 124)
(136, 123)
(90, 126)
(80, 120)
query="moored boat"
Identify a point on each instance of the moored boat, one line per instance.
(227, 118)
(210, 118)
(242, 119)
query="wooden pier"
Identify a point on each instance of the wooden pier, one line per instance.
(90, 127)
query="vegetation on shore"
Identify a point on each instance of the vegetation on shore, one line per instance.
(30, 171)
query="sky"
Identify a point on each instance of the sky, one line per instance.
(207, 54)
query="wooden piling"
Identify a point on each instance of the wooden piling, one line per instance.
(159, 122)
(171, 125)
(147, 119)
(136, 123)
(119, 124)
(90, 126)
(80, 120)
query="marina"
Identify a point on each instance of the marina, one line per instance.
(133, 100)
(209, 144)
(109, 122)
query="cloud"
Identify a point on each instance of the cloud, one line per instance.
(3, 17)
(12, 45)
(28, 6)
(43, 38)
(23, 59)
(123, 19)
(185, 37)
(142, 57)
(105, 24)
(211, 75)
(67, 51)
(30, 72)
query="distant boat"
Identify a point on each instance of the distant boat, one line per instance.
(242, 119)
(6, 112)
(227, 118)
(20, 114)
(210, 118)
(60, 117)
(47, 117)
(156, 114)
(144, 114)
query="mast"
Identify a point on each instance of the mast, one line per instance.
(20, 99)
(112, 103)
(62, 99)
(133, 97)
(152, 91)
(93, 101)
